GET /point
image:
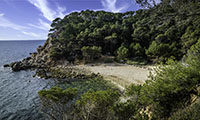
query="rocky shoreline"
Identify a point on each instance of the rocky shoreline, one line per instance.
(59, 71)
(46, 67)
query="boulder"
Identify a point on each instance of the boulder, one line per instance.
(16, 66)
(6, 65)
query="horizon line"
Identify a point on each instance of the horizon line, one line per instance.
(23, 40)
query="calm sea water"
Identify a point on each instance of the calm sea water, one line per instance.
(18, 90)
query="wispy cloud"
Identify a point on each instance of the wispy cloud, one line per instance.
(41, 25)
(1, 14)
(4, 22)
(42, 5)
(110, 5)
(46, 11)
(31, 34)
(61, 11)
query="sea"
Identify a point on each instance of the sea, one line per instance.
(19, 98)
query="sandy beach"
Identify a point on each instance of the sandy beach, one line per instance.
(120, 74)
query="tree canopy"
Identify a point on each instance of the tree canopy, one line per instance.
(150, 34)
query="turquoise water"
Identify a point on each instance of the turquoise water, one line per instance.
(18, 90)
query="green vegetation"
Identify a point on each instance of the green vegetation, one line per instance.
(91, 53)
(166, 95)
(169, 32)
(56, 93)
(151, 34)
(188, 113)
(97, 105)
(173, 90)
(122, 52)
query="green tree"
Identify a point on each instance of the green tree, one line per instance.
(136, 50)
(97, 105)
(54, 101)
(91, 53)
(56, 53)
(122, 52)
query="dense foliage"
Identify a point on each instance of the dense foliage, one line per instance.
(91, 53)
(153, 34)
(173, 90)
(171, 29)
(96, 105)
(173, 87)
(56, 94)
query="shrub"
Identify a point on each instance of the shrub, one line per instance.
(91, 53)
(122, 53)
(188, 113)
(125, 110)
(133, 90)
(56, 53)
(136, 50)
(97, 105)
(58, 94)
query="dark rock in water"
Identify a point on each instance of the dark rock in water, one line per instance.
(22, 65)
(6, 65)
(16, 66)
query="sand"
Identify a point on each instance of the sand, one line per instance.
(121, 75)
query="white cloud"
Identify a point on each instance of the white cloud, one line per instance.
(1, 14)
(46, 11)
(60, 11)
(4, 22)
(31, 34)
(42, 25)
(110, 5)
(42, 5)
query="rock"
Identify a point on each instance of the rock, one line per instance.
(22, 65)
(16, 66)
(6, 65)
(41, 73)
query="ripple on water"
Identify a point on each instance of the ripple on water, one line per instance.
(18, 95)
(18, 90)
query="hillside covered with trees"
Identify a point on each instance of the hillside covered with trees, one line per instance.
(152, 35)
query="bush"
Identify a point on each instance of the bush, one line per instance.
(136, 50)
(91, 53)
(122, 53)
(58, 94)
(125, 110)
(188, 113)
(97, 105)
(162, 51)
(133, 90)
(56, 53)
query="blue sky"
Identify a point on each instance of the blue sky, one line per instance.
(31, 19)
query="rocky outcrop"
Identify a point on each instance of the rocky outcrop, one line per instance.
(37, 60)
